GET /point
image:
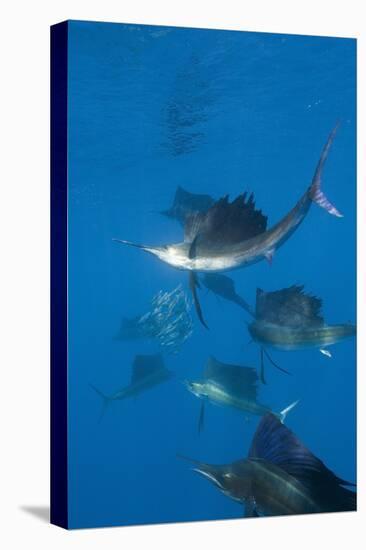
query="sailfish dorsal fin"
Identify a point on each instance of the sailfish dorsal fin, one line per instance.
(226, 222)
(238, 380)
(276, 443)
(290, 307)
(146, 365)
(186, 203)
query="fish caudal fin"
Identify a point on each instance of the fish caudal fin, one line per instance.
(283, 414)
(319, 198)
(105, 400)
(316, 193)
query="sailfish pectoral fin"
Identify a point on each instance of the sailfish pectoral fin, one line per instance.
(273, 363)
(264, 352)
(269, 255)
(193, 284)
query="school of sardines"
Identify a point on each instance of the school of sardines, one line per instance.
(280, 475)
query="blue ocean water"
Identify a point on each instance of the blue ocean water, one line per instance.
(216, 112)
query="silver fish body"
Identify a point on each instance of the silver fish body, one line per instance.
(290, 338)
(280, 476)
(277, 493)
(261, 484)
(217, 394)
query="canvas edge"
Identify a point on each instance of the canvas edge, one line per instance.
(58, 359)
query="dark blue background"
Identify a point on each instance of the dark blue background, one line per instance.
(151, 108)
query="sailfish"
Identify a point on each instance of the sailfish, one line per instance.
(147, 371)
(231, 235)
(290, 319)
(231, 386)
(280, 476)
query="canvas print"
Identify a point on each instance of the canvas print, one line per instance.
(203, 274)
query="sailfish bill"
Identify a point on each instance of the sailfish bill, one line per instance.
(231, 235)
(151, 249)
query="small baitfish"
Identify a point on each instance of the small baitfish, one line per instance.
(231, 386)
(168, 321)
(279, 477)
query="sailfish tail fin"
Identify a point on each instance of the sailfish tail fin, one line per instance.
(316, 193)
(105, 401)
(282, 414)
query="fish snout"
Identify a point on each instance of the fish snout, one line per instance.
(212, 473)
(225, 480)
(195, 387)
